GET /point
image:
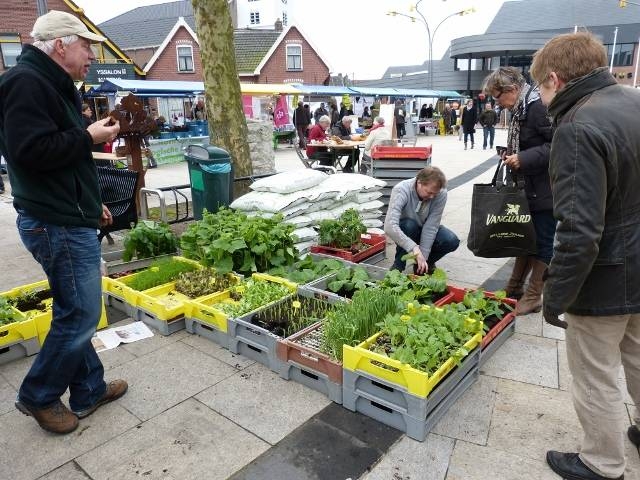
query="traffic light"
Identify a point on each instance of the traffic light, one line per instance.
(622, 3)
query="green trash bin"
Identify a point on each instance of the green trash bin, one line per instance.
(211, 178)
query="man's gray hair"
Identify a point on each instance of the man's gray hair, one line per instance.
(324, 118)
(47, 45)
(503, 78)
(379, 120)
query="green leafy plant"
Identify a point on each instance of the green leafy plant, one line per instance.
(149, 239)
(351, 323)
(426, 337)
(291, 315)
(8, 315)
(31, 300)
(231, 241)
(204, 281)
(251, 294)
(159, 272)
(489, 310)
(348, 280)
(344, 232)
(307, 269)
(423, 289)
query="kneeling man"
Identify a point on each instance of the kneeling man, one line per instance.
(413, 220)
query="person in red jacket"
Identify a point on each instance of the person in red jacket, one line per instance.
(318, 134)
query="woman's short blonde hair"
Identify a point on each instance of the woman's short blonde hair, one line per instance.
(570, 56)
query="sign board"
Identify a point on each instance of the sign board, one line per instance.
(99, 72)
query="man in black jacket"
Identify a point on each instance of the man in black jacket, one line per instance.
(55, 189)
(594, 275)
(302, 120)
(488, 120)
(343, 130)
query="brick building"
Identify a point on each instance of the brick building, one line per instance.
(163, 39)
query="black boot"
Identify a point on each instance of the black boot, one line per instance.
(634, 435)
(570, 467)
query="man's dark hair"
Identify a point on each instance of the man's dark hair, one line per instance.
(432, 175)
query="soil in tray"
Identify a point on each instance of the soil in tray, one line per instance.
(31, 301)
(286, 318)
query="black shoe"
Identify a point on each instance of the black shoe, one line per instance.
(570, 467)
(634, 435)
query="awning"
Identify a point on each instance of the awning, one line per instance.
(161, 88)
(410, 92)
(325, 89)
(373, 91)
(450, 94)
(271, 89)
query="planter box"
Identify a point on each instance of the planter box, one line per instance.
(257, 342)
(414, 381)
(399, 399)
(414, 428)
(115, 263)
(207, 331)
(456, 295)
(377, 243)
(319, 288)
(497, 341)
(18, 339)
(43, 323)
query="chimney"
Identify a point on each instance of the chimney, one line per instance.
(278, 25)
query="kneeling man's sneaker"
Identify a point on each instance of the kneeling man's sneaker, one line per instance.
(570, 467)
(115, 389)
(57, 418)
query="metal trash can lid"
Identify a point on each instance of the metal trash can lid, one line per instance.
(204, 152)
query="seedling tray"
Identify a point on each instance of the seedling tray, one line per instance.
(313, 379)
(19, 349)
(414, 428)
(497, 342)
(390, 395)
(416, 382)
(207, 331)
(319, 288)
(18, 332)
(377, 243)
(43, 323)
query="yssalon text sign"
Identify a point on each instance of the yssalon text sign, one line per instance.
(99, 72)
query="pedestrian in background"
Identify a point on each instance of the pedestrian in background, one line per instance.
(594, 275)
(57, 197)
(488, 119)
(528, 144)
(302, 120)
(468, 120)
(399, 115)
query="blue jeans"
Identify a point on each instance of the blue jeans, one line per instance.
(488, 132)
(468, 135)
(545, 226)
(445, 242)
(70, 257)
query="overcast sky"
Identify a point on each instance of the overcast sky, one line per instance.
(355, 36)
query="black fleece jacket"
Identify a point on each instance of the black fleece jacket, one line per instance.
(48, 151)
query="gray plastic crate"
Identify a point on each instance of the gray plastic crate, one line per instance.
(414, 428)
(258, 343)
(497, 342)
(319, 287)
(117, 303)
(361, 384)
(313, 379)
(207, 331)
(164, 327)
(14, 351)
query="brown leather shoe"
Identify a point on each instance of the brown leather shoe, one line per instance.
(115, 389)
(56, 418)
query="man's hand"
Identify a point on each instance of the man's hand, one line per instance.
(553, 318)
(101, 132)
(421, 263)
(106, 218)
(512, 161)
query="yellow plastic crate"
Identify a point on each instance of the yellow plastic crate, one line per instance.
(18, 331)
(119, 286)
(415, 381)
(43, 323)
(204, 310)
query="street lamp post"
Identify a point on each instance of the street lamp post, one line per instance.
(430, 37)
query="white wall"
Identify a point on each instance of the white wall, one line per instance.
(269, 10)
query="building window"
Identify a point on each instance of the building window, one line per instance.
(10, 48)
(284, 19)
(623, 56)
(185, 58)
(294, 57)
(254, 18)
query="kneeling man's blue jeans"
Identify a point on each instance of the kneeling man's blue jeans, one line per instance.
(70, 256)
(445, 242)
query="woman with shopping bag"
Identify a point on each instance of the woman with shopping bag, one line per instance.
(527, 155)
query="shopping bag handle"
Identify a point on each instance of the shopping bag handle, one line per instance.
(511, 177)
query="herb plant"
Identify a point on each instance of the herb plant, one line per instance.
(423, 289)
(353, 322)
(426, 337)
(231, 241)
(480, 307)
(149, 239)
(347, 280)
(344, 232)
(251, 294)
(159, 272)
(7, 314)
(198, 283)
(307, 270)
(291, 315)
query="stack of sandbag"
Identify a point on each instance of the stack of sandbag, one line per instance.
(305, 197)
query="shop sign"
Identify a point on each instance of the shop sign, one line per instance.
(99, 72)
